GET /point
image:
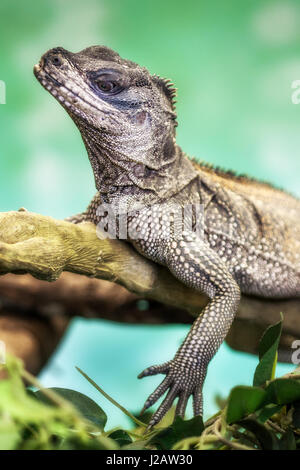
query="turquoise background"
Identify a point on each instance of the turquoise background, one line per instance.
(233, 62)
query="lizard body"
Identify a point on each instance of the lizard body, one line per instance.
(250, 241)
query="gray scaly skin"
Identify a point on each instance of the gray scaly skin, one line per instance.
(251, 239)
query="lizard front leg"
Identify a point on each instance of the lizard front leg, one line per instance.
(89, 215)
(193, 262)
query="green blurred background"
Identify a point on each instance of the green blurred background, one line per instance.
(233, 63)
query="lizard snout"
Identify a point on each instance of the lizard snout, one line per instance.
(53, 57)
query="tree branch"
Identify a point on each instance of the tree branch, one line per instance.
(45, 248)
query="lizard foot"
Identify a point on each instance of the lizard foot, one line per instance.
(181, 381)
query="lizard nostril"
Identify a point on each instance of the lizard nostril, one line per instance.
(56, 61)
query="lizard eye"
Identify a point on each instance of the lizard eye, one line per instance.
(107, 85)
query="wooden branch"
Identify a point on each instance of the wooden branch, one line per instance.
(31, 338)
(45, 247)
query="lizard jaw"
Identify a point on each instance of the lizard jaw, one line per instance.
(55, 88)
(71, 100)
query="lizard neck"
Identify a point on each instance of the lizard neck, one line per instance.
(119, 178)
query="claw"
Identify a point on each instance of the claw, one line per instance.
(143, 410)
(153, 370)
(148, 428)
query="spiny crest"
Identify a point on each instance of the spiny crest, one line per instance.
(230, 174)
(168, 88)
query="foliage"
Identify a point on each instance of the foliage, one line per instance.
(264, 416)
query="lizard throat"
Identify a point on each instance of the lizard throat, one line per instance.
(118, 176)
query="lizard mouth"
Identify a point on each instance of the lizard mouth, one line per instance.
(61, 93)
(72, 101)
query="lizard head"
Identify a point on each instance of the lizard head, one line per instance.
(117, 105)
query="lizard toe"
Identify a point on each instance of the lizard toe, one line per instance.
(153, 370)
(164, 407)
(158, 392)
(198, 402)
(182, 403)
(181, 382)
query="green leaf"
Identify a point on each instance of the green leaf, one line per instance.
(77, 443)
(16, 403)
(266, 438)
(85, 405)
(136, 445)
(243, 401)
(10, 434)
(267, 355)
(267, 412)
(114, 402)
(282, 391)
(121, 437)
(180, 429)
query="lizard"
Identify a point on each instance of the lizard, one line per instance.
(250, 237)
